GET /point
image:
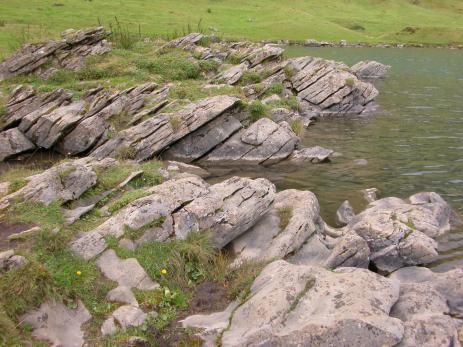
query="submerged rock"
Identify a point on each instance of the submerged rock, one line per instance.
(58, 324)
(294, 305)
(370, 69)
(314, 155)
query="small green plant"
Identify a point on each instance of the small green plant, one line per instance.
(209, 10)
(126, 152)
(150, 176)
(289, 71)
(250, 77)
(16, 185)
(175, 122)
(297, 126)
(171, 65)
(257, 111)
(122, 37)
(208, 65)
(126, 199)
(275, 88)
(350, 82)
(233, 58)
(285, 214)
(134, 234)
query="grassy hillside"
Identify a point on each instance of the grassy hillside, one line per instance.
(421, 21)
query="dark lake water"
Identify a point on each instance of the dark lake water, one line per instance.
(414, 143)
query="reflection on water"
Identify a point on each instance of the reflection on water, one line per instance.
(413, 144)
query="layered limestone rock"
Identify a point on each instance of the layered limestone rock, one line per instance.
(294, 305)
(63, 182)
(370, 69)
(328, 88)
(69, 52)
(401, 233)
(12, 143)
(295, 216)
(151, 215)
(430, 305)
(148, 138)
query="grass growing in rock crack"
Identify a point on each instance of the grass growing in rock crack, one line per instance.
(126, 199)
(297, 126)
(285, 214)
(257, 110)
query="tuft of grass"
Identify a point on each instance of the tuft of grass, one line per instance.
(241, 279)
(250, 77)
(290, 102)
(257, 111)
(48, 217)
(233, 58)
(150, 176)
(126, 199)
(208, 65)
(121, 35)
(172, 65)
(297, 126)
(275, 88)
(289, 71)
(175, 122)
(285, 214)
(135, 234)
(350, 82)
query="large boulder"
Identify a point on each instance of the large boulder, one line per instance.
(329, 88)
(430, 305)
(12, 143)
(264, 142)
(401, 233)
(283, 230)
(150, 137)
(229, 209)
(70, 53)
(150, 214)
(63, 182)
(296, 305)
(370, 69)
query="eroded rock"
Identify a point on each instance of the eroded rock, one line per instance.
(370, 69)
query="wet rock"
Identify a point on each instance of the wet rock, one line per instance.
(430, 306)
(293, 305)
(129, 316)
(123, 295)
(264, 142)
(57, 324)
(344, 214)
(148, 138)
(370, 69)
(227, 210)
(314, 155)
(150, 214)
(12, 143)
(63, 182)
(370, 194)
(282, 230)
(127, 273)
(70, 53)
(329, 88)
(401, 233)
(173, 169)
(200, 142)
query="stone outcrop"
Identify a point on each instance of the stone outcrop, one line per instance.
(69, 52)
(401, 233)
(293, 305)
(229, 209)
(264, 142)
(430, 305)
(315, 154)
(58, 324)
(328, 88)
(12, 143)
(63, 182)
(148, 138)
(370, 69)
(283, 230)
(151, 214)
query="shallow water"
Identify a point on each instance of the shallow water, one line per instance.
(414, 143)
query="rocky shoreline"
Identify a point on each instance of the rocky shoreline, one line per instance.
(361, 283)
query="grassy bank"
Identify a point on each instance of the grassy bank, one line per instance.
(411, 21)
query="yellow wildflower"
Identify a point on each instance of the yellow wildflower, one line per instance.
(78, 273)
(164, 271)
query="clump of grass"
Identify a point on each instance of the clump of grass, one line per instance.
(48, 217)
(135, 234)
(357, 27)
(275, 88)
(175, 122)
(125, 153)
(250, 77)
(257, 111)
(126, 199)
(122, 37)
(289, 71)
(290, 102)
(173, 65)
(241, 279)
(150, 176)
(209, 65)
(285, 214)
(297, 126)
(233, 58)
(350, 82)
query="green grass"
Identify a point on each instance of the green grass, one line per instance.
(353, 20)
